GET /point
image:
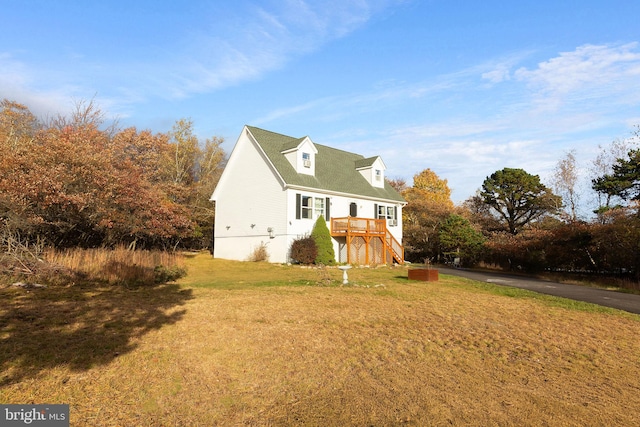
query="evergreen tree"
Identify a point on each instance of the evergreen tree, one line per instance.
(322, 237)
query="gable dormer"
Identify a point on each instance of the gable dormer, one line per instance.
(372, 169)
(301, 153)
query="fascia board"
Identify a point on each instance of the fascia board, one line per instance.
(337, 193)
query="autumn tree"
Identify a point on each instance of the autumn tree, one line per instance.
(616, 242)
(191, 172)
(18, 131)
(18, 126)
(398, 184)
(518, 198)
(74, 181)
(428, 204)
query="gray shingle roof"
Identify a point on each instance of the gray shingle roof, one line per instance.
(335, 169)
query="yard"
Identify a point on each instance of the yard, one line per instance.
(258, 344)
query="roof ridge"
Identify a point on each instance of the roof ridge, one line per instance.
(315, 143)
(277, 133)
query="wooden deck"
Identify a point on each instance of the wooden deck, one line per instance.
(368, 240)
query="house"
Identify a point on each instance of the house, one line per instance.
(274, 188)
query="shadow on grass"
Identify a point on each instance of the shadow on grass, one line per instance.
(79, 326)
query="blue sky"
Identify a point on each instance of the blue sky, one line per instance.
(464, 88)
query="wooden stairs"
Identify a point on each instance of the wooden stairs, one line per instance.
(368, 241)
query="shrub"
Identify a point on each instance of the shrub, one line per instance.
(260, 253)
(322, 237)
(304, 250)
(164, 274)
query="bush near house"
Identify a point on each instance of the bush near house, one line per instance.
(322, 237)
(304, 250)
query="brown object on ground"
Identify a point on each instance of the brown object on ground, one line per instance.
(424, 274)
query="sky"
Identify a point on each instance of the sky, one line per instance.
(464, 88)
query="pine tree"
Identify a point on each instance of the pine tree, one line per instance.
(322, 237)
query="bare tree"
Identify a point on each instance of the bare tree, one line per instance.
(565, 181)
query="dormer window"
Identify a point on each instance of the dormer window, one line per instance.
(372, 169)
(301, 154)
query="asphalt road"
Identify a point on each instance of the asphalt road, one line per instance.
(619, 300)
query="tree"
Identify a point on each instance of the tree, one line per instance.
(481, 214)
(459, 239)
(18, 126)
(398, 184)
(74, 183)
(624, 181)
(322, 237)
(603, 166)
(617, 242)
(182, 157)
(518, 197)
(191, 171)
(429, 186)
(565, 180)
(428, 203)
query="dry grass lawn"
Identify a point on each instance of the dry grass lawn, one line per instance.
(258, 344)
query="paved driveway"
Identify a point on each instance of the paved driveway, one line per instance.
(619, 300)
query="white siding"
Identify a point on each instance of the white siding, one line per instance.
(249, 201)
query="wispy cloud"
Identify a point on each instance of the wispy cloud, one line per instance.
(524, 116)
(271, 36)
(591, 72)
(240, 44)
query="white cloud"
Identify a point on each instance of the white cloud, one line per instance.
(591, 72)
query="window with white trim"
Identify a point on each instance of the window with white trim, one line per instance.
(318, 207)
(308, 207)
(387, 212)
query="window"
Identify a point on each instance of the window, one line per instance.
(306, 210)
(306, 160)
(318, 207)
(378, 175)
(308, 207)
(391, 212)
(387, 212)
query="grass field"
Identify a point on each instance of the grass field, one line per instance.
(259, 344)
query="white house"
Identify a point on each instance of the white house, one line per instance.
(274, 187)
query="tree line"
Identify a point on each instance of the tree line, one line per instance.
(516, 222)
(76, 181)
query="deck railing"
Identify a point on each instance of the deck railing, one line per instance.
(368, 228)
(353, 225)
